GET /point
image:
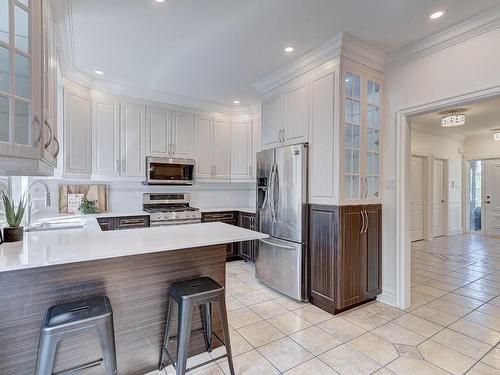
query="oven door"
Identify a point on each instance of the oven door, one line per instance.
(167, 171)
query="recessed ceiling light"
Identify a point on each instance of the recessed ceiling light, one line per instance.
(236, 102)
(437, 14)
(289, 49)
(160, 1)
(99, 72)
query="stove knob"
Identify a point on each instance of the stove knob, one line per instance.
(158, 216)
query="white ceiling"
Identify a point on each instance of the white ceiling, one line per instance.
(215, 50)
(481, 118)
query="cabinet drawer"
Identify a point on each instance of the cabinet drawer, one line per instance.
(219, 216)
(106, 223)
(132, 222)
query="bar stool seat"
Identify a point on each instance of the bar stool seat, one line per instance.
(72, 319)
(188, 294)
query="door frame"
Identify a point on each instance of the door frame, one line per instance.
(427, 194)
(402, 122)
(466, 191)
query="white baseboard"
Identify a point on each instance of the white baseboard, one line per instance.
(455, 231)
(388, 297)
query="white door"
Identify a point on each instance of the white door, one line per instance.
(417, 198)
(296, 117)
(272, 123)
(133, 150)
(157, 132)
(241, 150)
(492, 197)
(106, 137)
(438, 198)
(203, 147)
(221, 150)
(182, 134)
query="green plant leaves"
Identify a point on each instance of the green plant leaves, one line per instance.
(13, 217)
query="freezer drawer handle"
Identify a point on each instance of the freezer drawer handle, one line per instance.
(277, 245)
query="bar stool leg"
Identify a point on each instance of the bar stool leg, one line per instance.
(183, 335)
(166, 337)
(206, 319)
(225, 330)
(107, 340)
(46, 354)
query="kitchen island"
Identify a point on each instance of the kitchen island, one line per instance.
(134, 268)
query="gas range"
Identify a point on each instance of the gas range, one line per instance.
(170, 209)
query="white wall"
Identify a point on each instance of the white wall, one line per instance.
(437, 146)
(481, 147)
(469, 66)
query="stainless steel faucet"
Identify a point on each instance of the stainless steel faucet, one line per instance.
(30, 200)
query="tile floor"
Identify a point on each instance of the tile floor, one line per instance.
(452, 326)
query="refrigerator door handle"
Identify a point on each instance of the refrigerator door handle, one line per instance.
(277, 245)
(276, 186)
(271, 192)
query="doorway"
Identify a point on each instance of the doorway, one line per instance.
(475, 195)
(439, 193)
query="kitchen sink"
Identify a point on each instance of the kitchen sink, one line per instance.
(56, 225)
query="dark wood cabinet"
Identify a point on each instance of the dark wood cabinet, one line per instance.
(229, 217)
(345, 244)
(123, 222)
(247, 248)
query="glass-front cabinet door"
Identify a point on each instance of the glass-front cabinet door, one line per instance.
(361, 132)
(372, 140)
(352, 136)
(20, 123)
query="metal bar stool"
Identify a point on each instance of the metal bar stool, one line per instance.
(189, 294)
(72, 319)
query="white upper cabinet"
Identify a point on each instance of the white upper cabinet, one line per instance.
(285, 115)
(322, 187)
(296, 114)
(132, 145)
(221, 149)
(182, 134)
(77, 132)
(242, 151)
(158, 132)
(272, 121)
(105, 136)
(21, 117)
(203, 147)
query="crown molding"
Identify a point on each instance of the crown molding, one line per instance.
(458, 33)
(343, 44)
(65, 38)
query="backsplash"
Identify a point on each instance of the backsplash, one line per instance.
(127, 195)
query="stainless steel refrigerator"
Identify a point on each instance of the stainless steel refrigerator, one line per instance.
(282, 214)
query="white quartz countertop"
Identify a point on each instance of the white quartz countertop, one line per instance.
(54, 247)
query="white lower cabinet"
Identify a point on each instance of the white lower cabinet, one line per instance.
(132, 140)
(77, 133)
(105, 137)
(242, 151)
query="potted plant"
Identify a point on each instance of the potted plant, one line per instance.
(14, 232)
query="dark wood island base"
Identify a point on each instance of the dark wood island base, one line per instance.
(137, 286)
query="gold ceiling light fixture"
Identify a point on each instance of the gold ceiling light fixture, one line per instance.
(452, 119)
(496, 134)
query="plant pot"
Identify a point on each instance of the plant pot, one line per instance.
(13, 234)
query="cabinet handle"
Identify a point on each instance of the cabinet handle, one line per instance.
(56, 153)
(47, 144)
(367, 221)
(117, 165)
(215, 170)
(363, 222)
(173, 148)
(123, 165)
(283, 135)
(37, 121)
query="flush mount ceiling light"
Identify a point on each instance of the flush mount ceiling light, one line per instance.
(496, 136)
(99, 72)
(289, 49)
(452, 119)
(236, 102)
(437, 14)
(160, 1)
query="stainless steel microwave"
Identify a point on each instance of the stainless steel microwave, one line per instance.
(169, 171)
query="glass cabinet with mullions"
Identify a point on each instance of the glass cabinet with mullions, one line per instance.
(361, 129)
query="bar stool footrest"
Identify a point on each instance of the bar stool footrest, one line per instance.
(76, 369)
